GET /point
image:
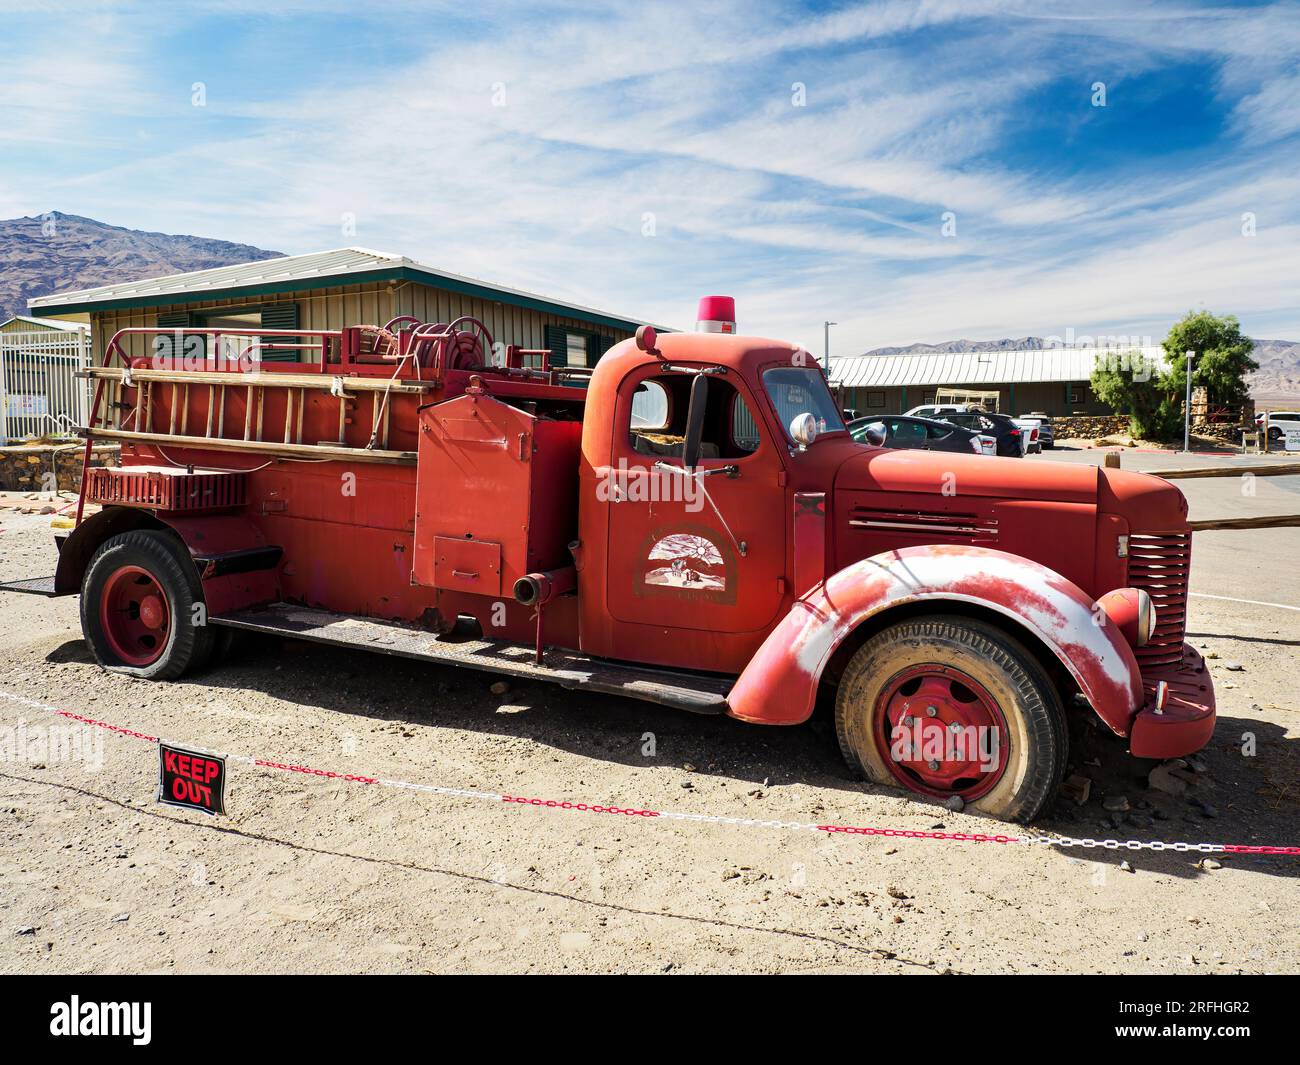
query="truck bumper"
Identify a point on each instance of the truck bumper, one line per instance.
(1187, 722)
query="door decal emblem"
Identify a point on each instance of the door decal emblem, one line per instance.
(684, 560)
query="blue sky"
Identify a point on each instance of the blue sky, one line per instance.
(635, 156)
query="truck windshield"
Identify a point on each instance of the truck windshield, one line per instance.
(796, 390)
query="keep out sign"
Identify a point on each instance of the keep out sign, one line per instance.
(195, 781)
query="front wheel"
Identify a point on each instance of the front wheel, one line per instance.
(952, 706)
(141, 607)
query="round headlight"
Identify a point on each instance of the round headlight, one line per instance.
(803, 429)
(1147, 618)
(1132, 610)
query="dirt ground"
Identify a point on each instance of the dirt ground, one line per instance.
(318, 875)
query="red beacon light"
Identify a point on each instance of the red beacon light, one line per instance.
(717, 314)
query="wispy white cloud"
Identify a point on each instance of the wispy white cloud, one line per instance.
(646, 153)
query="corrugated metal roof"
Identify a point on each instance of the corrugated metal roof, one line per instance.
(43, 323)
(975, 367)
(300, 271)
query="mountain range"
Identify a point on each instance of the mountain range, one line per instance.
(58, 252)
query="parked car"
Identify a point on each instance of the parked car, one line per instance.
(925, 434)
(1278, 422)
(1046, 432)
(936, 410)
(1032, 428)
(1012, 441)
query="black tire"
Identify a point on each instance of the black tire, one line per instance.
(164, 559)
(1015, 683)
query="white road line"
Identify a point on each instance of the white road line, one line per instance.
(1251, 602)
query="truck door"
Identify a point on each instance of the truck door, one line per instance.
(703, 551)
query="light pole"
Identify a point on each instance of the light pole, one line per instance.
(826, 326)
(1187, 405)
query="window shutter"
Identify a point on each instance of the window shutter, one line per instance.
(556, 338)
(190, 346)
(281, 316)
(600, 345)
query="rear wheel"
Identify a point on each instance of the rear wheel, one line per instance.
(138, 603)
(951, 706)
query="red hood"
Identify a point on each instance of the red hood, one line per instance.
(886, 470)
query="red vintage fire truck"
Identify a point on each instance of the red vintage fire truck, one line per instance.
(687, 523)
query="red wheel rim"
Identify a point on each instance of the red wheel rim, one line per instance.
(941, 733)
(134, 616)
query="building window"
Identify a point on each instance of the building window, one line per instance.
(575, 347)
(875, 399)
(273, 316)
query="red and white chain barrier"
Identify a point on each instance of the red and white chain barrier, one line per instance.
(669, 815)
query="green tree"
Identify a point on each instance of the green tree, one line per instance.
(1223, 358)
(1130, 382)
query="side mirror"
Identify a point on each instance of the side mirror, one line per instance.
(803, 429)
(695, 422)
(875, 434)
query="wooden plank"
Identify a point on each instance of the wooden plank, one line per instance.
(1281, 469)
(259, 447)
(1273, 521)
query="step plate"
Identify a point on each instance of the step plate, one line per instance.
(30, 586)
(569, 669)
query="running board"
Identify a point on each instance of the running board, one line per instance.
(569, 669)
(31, 586)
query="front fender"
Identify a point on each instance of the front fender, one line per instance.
(779, 686)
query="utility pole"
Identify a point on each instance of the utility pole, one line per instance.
(1187, 405)
(826, 326)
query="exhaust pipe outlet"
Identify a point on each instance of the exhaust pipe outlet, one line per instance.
(538, 589)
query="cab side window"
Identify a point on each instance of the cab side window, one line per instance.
(658, 424)
(906, 434)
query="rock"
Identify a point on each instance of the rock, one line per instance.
(1143, 937)
(896, 893)
(955, 803)
(1233, 665)
(1124, 867)
(500, 687)
(689, 767)
(1116, 803)
(26, 930)
(730, 874)
(1209, 863)
(1077, 787)
(1173, 778)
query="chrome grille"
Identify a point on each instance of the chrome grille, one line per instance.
(1160, 563)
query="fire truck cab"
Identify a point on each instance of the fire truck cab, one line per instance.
(688, 523)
